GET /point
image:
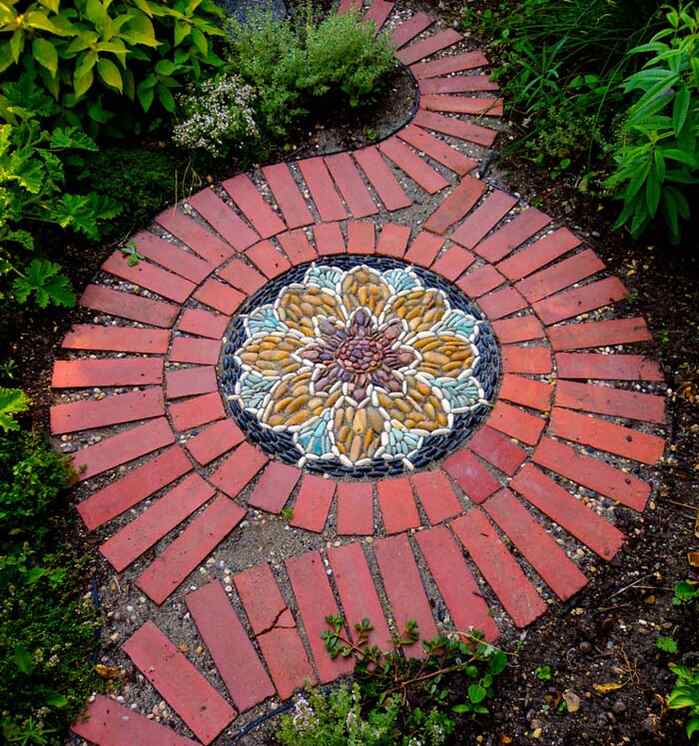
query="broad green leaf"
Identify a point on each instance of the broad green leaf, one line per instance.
(96, 12)
(477, 693)
(165, 67)
(45, 54)
(63, 138)
(143, 5)
(22, 657)
(6, 58)
(45, 281)
(110, 74)
(146, 94)
(674, 154)
(37, 19)
(54, 699)
(200, 41)
(17, 44)
(51, 4)
(83, 84)
(12, 402)
(166, 99)
(139, 30)
(83, 41)
(85, 64)
(680, 108)
(692, 726)
(182, 30)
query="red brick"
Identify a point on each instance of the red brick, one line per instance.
(568, 512)
(560, 276)
(88, 414)
(111, 724)
(608, 367)
(138, 536)
(287, 195)
(205, 243)
(574, 302)
(480, 281)
(122, 448)
(483, 219)
(231, 649)
(464, 600)
(470, 474)
(215, 440)
(502, 303)
(378, 12)
(592, 473)
(460, 202)
(428, 46)
(274, 487)
(536, 545)
(181, 556)
(181, 685)
(409, 29)
(351, 185)
(129, 306)
(403, 585)
(172, 257)
(358, 594)
(498, 450)
(382, 179)
(458, 84)
(411, 163)
(539, 254)
(346, 5)
(520, 329)
(138, 484)
(315, 602)
(75, 374)
(181, 382)
(238, 469)
(262, 217)
(195, 350)
(517, 423)
(512, 234)
(525, 391)
(267, 259)
(436, 495)
(219, 296)
(438, 150)
(467, 131)
(599, 334)
(297, 247)
(424, 248)
(329, 239)
(203, 323)
(242, 276)
(481, 106)
(532, 360)
(451, 64)
(223, 219)
(614, 402)
(355, 508)
(148, 276)
(500, 569)
(322, 189)
(393, 240)
(259, 592)
(116, 339)
(397, 504)
(196, 411)
(361, 238)
(313, 503)
(453, 262)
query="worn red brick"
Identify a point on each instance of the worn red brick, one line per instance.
(516, 422)
(424, 248)
(501, 303)
(409, 29)
(351, 185)
(382, 179)
(414, 166)
(287, 195)
(539, 254)
(482, 106)
(224, 219)
(147, 275)
(313, 503)
(172, 257)
(129, 306)
(599, 334)
(458, 84)
(484, 218)
(355, 508)
(242, 276)
(574, 302)
(450, 64)
(193, 234)
(599, 399)
(116, 339)
(480, 281)
(467, 131)
(532, 360)
(397, 505)
(238, 469)
(498, 450)
(267, 259)
(527, 392)
(196, 411)
(431, 44)
(439, 151)
(521, 228)
(378, 13)
(274, 487)
(361, 238)
(460, 202)
(322, 189)
(559, 276)
(329, 239)
(195, 350)
(263, 602)
(393, 240)
(436, 495)
(219, 296)
(85, 373)
(297, 247)
(203, 323)
(586, 365)
(471, 475)
(214, 440)
(520, 329)
(453, 262)
(243, 192)
(181, 382)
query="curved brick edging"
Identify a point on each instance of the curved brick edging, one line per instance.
(448, 532)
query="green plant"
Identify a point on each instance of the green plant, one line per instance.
(12, 402)
(657, 158)
(685, 695)
(666, 644)
(543, 673)
(686, 592)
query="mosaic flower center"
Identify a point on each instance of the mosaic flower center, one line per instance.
(360, 355)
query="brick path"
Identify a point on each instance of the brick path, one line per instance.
(490, 517)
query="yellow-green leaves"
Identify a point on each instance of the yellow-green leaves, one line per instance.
(45, 54)
(110, 74)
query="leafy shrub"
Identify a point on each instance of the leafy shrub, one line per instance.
(12, 402)
(685, 695)
(657, 159)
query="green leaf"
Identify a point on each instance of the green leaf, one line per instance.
(51, 4)
(110, 74)
(54, 699)
(166, 99)
(145, 94)
(477, 693)
(666, 644)
(200, 41)
(45, 281)
(17, 44)
(165, 67)
(23, 658)
(680, 109)
(182, 29)
(12, 402)
(139, 30)
(692, 726)
(498, 662)
(45, 54)
(64, 138)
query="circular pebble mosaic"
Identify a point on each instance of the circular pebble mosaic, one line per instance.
(359, 367)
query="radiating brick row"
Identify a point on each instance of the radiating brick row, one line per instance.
(560, 276)
(512, 235)
(203, 323)
(129, 306)
(453, 262)
(424, 249)
(297, 247)
(232, 651)
(199, 410)
(382, 179)
(515, 422)
(498, 450)
(378, 12)
(589, 397)
(219, 296)
(181, 685)
(361, 237)
(274, 487)
(458, 84)
(123, 447)
(499, 568)
(452, 64)
(287, 195)
(467, 607)
(243, 276)
(574, 302)
(519, 329)
(436, 495)
(355, 508)
(138, 484)
(224, 219)
(568, 512)
(471, 475)
(531, 360)
(409, 29)
(214, 440)
(238, 469)
(172, 257)
(527, 392)
(438, 150)
(411, 163)
(592, 473)
(347, 5)
(329, 239)
(467, 131)
(315, 602)
(501, 303)
(458, 204)
(200, 240)
(88, 414)
(149, 276)
(393, 240)
(599, 334)
(428, 46)
(262, 217)
(403, 585)
(180, 382)
(322, 189)
(476, 105)
(267, 259)
(482, 220)
(138, 536)
(397, 505)
(537, 546)
(312, 503)
(480, 281)
(586, 365)
(351, 185)
(195, 350)
(539, 254)
(179, 558)
(85, 373)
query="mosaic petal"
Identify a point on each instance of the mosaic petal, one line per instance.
(400, 442)
(292, 404)
(357, 431)
(401, 279)
(459, 323)
(420, 308)
(252, 390)
(463, 394)
(271, 355)
(314, 438)
(324, 277)
(362, 286)
(444, 355)
(263, 320)
(421, 408)
(300, 307)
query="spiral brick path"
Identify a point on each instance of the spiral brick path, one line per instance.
(484, 527)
